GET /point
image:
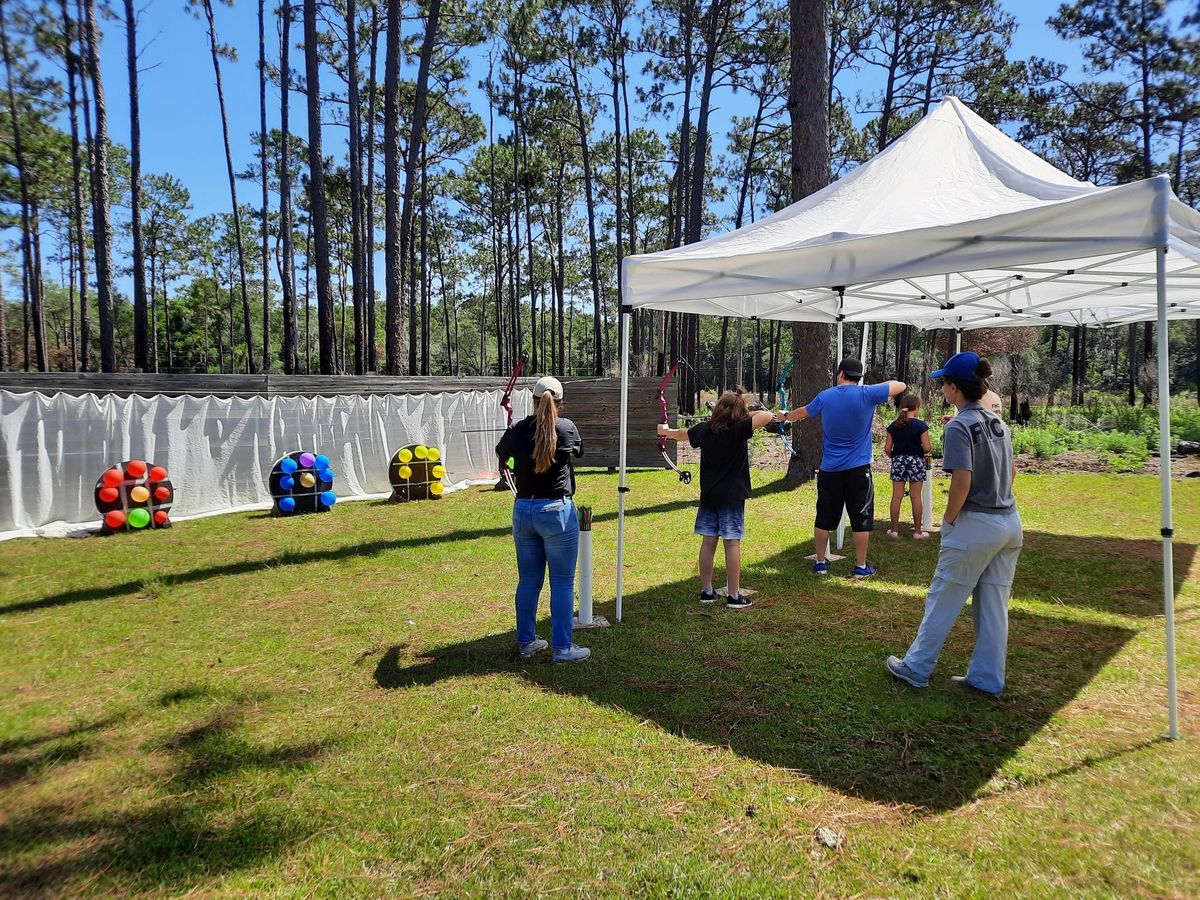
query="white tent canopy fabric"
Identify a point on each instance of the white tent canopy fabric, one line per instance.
(955, 225)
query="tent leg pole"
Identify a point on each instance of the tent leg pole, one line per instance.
(841, 529)
(1164, 461)
(958, 340)
(622, 490)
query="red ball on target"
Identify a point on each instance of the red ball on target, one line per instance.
(161, 493)
(136, 468)
(109, 494)
(158, 473)
(160, 517)
(113, 477)
(114, 519)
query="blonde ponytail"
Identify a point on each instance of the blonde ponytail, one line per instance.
(545, 442)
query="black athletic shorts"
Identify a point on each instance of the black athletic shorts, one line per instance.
(849, 488)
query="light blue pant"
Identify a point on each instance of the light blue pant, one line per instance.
(546, 532)
(979, 554)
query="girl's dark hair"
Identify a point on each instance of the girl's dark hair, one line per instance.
(974, 390)
(905, 406)
(729, 409)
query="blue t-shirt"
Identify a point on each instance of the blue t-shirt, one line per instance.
(846, 413)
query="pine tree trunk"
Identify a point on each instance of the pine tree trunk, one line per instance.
(101, 204)
(70, 33)
(262, 149)
(426, 304)
(369, 199)
(140, 352)
(394, 255)
(237, 215)
(358, 261)
(593, 252)
(287, 275)
(316, 165)
(807, 99)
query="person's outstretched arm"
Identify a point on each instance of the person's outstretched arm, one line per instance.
(763, 417)
(896, 388)
(672, 434)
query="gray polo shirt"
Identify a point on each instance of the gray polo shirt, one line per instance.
(978, 441)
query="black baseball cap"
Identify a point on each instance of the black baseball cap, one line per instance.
(851, 367)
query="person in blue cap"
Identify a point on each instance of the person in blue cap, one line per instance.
(847, 411)
(981, 536)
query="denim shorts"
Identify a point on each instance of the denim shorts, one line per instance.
(727, 522)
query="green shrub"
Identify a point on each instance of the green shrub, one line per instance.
(1040, 442)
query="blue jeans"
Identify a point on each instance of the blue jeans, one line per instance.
(546, 532)
(978, 556)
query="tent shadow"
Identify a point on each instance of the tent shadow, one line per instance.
(798, 681)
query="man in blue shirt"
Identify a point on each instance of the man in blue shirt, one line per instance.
(844, 481)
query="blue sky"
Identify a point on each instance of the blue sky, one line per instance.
(181, 126)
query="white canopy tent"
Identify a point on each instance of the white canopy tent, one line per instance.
(955, 225)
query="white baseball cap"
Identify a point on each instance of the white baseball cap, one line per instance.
(548, 384)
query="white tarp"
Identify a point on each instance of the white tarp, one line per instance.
(219, 452)
(953, 225)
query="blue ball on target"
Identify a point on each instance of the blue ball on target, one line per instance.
(328, 498)
(322, 461)
(287, 482)
(287, 504)
(325, 475)
(289, 466)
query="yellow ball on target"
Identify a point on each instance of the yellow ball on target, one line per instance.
(421, 452)
(436, 489)
(405, 472)
(139, 494)
(434, 454)
(439, 471)
(307, 479)
(406, 455)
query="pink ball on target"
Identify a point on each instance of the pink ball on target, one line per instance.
(307, 460)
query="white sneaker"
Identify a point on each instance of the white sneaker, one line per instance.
(574, 653)
(891, 533)
(535, 646)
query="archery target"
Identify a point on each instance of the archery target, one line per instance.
(416, 473)
(133, 496)
(302, 482)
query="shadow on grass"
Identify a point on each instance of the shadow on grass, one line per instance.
(297, 558)
(798, 681)
(196, 831)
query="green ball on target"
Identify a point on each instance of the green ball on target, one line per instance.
(139, 518)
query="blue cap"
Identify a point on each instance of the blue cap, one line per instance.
(961, 366)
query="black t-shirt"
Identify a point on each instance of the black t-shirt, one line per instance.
(556, 481)
(724, 462)
(906, 441)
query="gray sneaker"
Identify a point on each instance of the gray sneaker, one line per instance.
(900, 670)
(535, 646)
(961, 681)
(574, 653)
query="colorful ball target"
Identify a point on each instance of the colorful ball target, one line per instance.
(413, 474)
(302, 482)
(134, 495)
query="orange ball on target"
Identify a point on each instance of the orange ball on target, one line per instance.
(139, 494)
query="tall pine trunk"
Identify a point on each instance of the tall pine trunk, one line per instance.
(316, 166)
(369, 196)
(140, 344)
(262, 149)
(214, 48)
(357, 255)
(807, 99)
(70, 32)
(287, 275)
(101, 204)
(393, 253)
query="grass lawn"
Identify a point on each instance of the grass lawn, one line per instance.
(332, 705)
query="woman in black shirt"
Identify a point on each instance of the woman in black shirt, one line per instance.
(545, 526)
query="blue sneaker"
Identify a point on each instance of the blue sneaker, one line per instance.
(739, 602)
(574, 653)
(861, 572)
(708, 596)
(899, 669)
(820, 567)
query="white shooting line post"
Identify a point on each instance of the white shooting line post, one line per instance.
(1164, 462)
(841, 529)
(622, 490)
